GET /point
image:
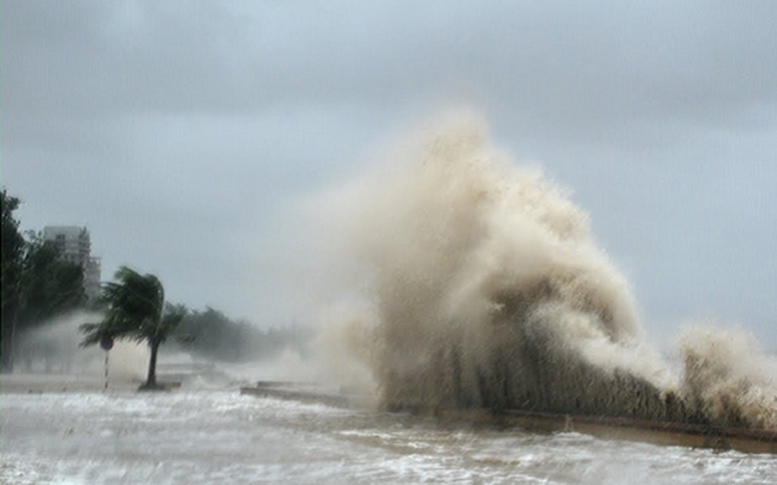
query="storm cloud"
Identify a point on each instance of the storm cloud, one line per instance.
(183, 134)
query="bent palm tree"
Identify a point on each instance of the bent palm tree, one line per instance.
(136, 310)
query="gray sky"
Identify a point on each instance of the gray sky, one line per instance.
(184, 133)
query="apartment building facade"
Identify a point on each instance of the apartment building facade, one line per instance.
(75, 246)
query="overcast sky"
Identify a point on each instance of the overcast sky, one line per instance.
(183, 133)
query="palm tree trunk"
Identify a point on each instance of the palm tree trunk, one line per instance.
(151, 380)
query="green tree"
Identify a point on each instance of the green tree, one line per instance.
(135, 310)
(37, 283)
(49, 285)
(214, 335)
(12, 258)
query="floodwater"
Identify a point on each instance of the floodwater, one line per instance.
(220, 436)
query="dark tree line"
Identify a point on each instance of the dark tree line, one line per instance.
(212, 334)
(36, 283)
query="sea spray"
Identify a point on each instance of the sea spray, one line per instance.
(483, 287)
(726, 377)
(53, 346)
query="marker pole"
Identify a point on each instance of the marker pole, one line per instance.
(105, 388)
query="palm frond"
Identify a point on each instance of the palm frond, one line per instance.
(135, 305)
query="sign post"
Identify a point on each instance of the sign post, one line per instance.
(106, 343)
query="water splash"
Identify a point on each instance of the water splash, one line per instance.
(483, 287)
(727, 377)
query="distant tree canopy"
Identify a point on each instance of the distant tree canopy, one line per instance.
(36, 283)
(50, 285)
(211, 334)
(12, 255)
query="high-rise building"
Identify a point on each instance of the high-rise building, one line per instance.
(75, 246)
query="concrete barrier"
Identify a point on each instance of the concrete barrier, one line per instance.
(657, 432)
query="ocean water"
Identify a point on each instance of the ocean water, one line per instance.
(220, 436)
